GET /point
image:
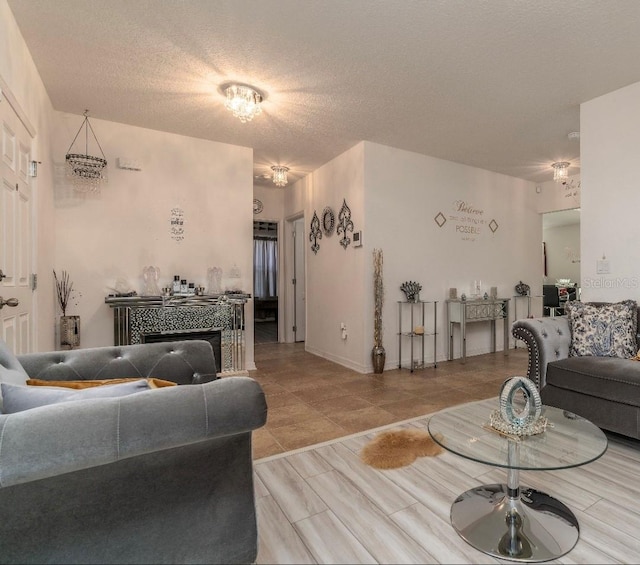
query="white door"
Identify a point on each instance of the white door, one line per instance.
(16, 322)
(300, 308)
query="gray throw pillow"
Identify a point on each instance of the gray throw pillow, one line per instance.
(17, 398)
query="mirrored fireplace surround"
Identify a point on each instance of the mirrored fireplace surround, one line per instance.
(166, 318)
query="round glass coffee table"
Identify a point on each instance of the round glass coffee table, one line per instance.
(505, 520)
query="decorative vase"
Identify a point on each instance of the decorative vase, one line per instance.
(69, 332)
(378, 357)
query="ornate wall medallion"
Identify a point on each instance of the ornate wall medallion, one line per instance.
(344, 224)
(328, 221)
(257, 206)
(316, 233)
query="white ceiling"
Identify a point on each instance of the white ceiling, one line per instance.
(495, 84)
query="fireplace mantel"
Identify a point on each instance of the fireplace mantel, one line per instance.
(183, 316)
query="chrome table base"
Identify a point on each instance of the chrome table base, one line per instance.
(521, 525)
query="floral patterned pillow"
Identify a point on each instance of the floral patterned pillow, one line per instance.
(603, 330)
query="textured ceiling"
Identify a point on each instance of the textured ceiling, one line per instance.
(495, 84)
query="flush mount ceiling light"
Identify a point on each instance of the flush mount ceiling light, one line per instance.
(86, 171)
(243, 101)
(280, 175)
(561, 171)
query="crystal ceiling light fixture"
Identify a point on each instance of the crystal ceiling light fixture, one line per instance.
(243, 101)
(280, 175)
(86, 171)
(561, 171)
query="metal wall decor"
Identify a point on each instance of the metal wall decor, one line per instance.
(257, 206)
(316, 233)
(328, 221)
(344, 224)
(176, 223)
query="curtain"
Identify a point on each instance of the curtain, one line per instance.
(265, 268)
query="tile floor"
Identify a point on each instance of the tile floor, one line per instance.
(312, 400)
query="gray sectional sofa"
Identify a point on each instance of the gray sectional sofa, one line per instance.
(159, 476)
(605, 390)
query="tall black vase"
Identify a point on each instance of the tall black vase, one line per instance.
(378, 357)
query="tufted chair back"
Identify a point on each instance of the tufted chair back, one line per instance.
(183, 362)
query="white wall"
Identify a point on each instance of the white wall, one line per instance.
(404, 193)
(335, 275)
(610, 138)
(115, 233)
(19, 74)
(560, 241)
(394, 196)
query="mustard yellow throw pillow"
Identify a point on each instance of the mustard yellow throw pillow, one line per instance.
(153, 383)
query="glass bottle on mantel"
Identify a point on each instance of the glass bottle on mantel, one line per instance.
(184, 287)
(176, 284)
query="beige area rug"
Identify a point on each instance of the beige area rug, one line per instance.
(398, 448)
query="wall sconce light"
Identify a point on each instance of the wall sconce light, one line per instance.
(280, 175)
(243, 101)
(561, 171)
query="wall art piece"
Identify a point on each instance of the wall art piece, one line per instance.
(316, 233)
(328, 221)
(257, 206)
(411, 290)
(344, 224)
(176, 223)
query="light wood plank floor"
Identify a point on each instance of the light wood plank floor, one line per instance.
(321, 504)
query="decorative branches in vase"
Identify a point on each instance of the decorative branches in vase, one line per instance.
(69, 325)
(378, 353)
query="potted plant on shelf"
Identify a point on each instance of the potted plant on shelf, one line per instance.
(69, 325)
(378, 353)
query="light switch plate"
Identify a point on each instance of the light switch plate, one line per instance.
(603, 267)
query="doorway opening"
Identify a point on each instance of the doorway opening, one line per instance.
(299, 284)
(265, 282)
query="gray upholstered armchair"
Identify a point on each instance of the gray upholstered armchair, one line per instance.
(159, 476)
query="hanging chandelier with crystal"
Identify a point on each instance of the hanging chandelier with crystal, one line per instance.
(243, 101)
(86, 171)
(280, 175)
(561, 171)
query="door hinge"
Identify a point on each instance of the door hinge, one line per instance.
(293, 281)
(34, 281)
(295, 329)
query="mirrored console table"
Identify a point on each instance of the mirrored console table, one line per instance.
(218, 319)
(464, 312)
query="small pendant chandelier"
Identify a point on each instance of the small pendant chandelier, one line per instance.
(280, 175)
(561, 171)
(86, 171)
(243, 101)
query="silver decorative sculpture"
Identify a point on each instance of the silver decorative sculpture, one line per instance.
(411, 290)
